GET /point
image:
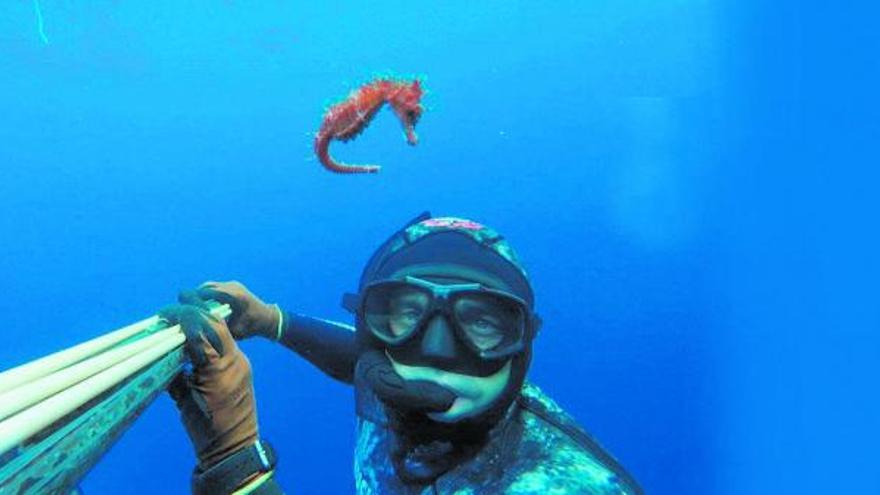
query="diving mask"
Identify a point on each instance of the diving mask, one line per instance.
(491, 323)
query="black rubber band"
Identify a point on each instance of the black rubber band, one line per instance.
(227, 475)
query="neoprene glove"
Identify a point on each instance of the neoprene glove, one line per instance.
(250, 315)
(216, 400)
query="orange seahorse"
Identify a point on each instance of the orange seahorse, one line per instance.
(345, 120)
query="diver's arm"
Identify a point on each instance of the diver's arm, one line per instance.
(329, 345)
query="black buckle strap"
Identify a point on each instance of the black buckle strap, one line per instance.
(227, 475)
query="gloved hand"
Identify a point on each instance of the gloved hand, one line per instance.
(216, 400)
(250, 315)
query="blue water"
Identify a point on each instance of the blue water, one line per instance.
(691, 184)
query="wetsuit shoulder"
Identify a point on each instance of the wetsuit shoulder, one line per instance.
(539, 448)
(557, 453)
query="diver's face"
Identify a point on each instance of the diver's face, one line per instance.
(443, 351)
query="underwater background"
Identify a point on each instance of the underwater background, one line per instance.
(691, 184)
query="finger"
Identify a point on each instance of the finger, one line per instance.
(195, 350)
(190, 323)
(201, 322)
(220, 286)
(232, 287)
(214, 293)
(170, 313)
(195, 325)
(224, 298)
(191, 297)
(212, 337)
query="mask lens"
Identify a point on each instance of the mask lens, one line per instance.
(394, 311)
(490, 322)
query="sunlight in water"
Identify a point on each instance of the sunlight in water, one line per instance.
(40, 22)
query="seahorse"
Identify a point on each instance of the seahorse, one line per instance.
(345, 120)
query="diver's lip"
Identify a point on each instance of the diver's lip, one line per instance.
(463, 386)
(439, 368)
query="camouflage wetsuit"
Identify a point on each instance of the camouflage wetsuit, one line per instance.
(536, 448)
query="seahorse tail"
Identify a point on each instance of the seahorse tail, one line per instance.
(322, 149)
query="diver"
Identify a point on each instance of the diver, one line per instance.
(444, 323)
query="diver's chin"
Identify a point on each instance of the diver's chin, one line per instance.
(474, 395)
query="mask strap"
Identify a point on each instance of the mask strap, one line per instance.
(351, 302)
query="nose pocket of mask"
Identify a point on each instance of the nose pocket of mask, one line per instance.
(439, 340)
